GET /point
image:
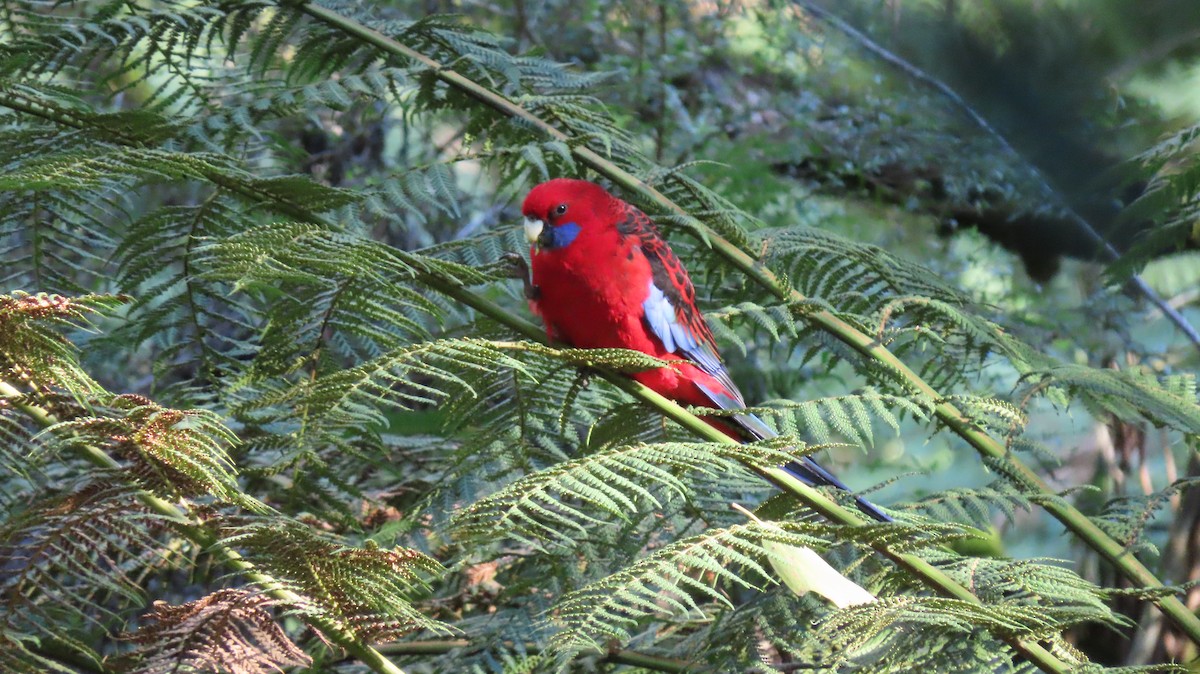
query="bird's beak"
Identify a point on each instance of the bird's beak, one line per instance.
(533, 231)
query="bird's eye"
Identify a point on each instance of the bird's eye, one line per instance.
(560, 209)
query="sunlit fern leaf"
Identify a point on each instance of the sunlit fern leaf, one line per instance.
(369, 591)
(567, 500)
(965, 331)
(1126, 518)
(684, 579)
(1032, 582)
(975, 506)
(1164, 668)
(778, 321)
(229, 631)
(173, 452)
(850, 417)
(534, 405)
(926, 322)
(1127, 394)
(310, 253)
(32, 350)
(74, 171)
(902, 538)
(853, 628)
(483, 251)
(851, 276)
(781, 633)
(994, 414)
(412, 376)
(702, 203)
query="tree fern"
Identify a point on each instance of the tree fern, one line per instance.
(231, 630)
(365, 426)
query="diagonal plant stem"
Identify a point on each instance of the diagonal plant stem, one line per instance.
(946, 412)
(205, 539)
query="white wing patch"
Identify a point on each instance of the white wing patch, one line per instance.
(661, 316)
(675, 336)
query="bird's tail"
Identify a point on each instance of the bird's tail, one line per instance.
(811, 473)
(808, 471)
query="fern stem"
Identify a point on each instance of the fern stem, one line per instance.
(615, 656)
(927, 573)
(205, 539)
(949, 414)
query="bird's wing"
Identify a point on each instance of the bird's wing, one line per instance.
(670, 306)
(670, 311)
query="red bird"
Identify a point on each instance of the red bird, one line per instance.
(603, 277)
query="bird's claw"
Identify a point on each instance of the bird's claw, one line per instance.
(584, 374)
(515, 266)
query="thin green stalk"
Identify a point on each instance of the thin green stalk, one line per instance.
(616, 655)
(949, 414)
(205, 539)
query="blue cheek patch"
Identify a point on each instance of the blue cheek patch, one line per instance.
(565, 233)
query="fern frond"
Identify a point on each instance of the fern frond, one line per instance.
(850, 417)
(676, 581)
(31, 349)
(1128, 394)
(229, 630)
(976, 505)
(568, 501)
(1126, 518)
(71, 553)
(853, 277)
(176, 452)
(855, 628)
(368, 591)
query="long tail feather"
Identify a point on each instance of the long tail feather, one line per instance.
(813, 474)
(806, 469)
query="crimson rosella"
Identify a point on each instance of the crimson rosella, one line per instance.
(603, 277)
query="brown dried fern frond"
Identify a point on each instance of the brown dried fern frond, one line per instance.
(230, 631)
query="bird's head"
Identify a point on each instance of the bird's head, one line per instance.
(557, 211)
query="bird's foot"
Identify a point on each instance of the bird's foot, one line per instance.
(515, 266)
(584, 374)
